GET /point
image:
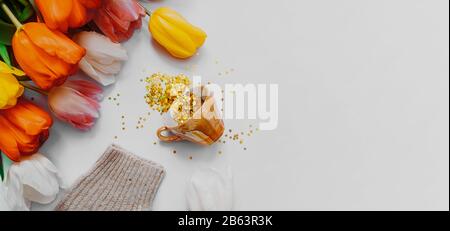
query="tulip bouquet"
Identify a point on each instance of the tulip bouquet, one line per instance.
(42, 44)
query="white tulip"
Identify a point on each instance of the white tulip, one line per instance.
(103, 58)
(33, 179)
(210, 190)
(4, 206)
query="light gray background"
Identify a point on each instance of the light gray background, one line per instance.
(364, 116)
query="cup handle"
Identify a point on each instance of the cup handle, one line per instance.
(164, 138)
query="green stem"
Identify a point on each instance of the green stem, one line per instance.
(11, 16)
(2, 173)
(38, 13)
(33, 88)
(147, 11)
(23, 78)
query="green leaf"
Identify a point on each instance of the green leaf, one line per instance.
(4, 54)
(6, 32)
(22, 9)
(2, 174)
(6, 164)
(26, 12)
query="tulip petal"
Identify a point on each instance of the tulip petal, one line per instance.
(15, 142)
(173, 32)
(7, 142)
(14, 192)
(90, 3)
(120, 24)
(86, 88)
(40, 184)
(71, 106)
(128, 10)
(118, 19)
(112, 68)
(23, 129)
(210, 190)
(4, 201)
(104, 23)
(5, 69)
(54, 43)
(78, 16)
(45, 70)
(33, 179)
(103, 57)
(177, 42)
(174, 18)
(97, 44)
(10, 90)
(55, 13)
(57, 66)
(31, 118)
(30, 62)
(98, 76)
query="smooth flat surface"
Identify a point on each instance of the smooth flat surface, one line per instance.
(363, 116)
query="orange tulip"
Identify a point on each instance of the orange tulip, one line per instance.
(47, 57)
(23, 129)
(61, 15)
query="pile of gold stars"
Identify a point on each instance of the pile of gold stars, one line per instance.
(185, 106)
(163, 90)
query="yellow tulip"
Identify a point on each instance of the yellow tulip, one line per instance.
(10, 88)
(173, 32)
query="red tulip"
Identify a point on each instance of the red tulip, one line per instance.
(76, 102)
(23, 129)
(118, 19)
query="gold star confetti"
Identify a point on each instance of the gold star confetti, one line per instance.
(163, 90)
(185, 107)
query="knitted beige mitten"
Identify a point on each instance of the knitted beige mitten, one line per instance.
(119, 181)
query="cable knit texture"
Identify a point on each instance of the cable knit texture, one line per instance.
(119, 181)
